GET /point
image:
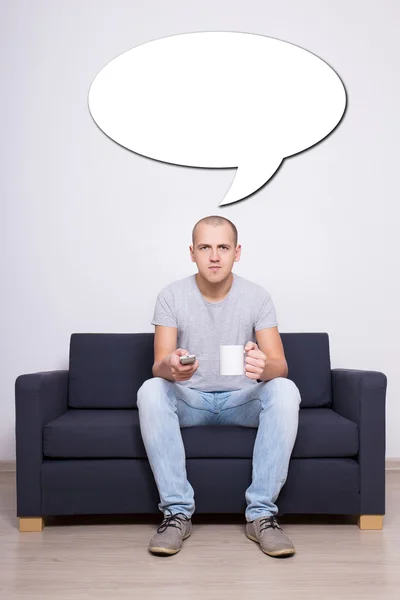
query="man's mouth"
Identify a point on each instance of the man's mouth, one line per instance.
(214, 268)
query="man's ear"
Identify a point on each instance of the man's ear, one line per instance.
(238, 253)
(191, 253)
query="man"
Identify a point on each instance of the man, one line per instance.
(196, 315)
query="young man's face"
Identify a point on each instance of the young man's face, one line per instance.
(214, 251)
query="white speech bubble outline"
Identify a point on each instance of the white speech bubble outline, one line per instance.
(218, 100)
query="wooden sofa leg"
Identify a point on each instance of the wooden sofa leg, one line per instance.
(370, 521)
(31, 523)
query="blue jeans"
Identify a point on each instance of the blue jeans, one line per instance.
(272, 406)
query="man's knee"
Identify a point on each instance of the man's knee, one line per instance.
(284, 390)
(152, 390)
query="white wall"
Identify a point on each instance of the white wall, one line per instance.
(91, 231)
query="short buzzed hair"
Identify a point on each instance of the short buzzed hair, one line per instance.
(215, 221)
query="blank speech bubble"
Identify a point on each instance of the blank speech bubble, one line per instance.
(218, 100)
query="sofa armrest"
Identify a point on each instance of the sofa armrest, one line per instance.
(39, 398)
(360, 396)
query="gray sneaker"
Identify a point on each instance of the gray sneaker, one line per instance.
(170, 534)
(266, 532)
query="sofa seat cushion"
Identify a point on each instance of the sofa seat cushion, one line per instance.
(115, 433)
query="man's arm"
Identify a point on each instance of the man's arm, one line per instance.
(165, 339)
(166, 356)
(271, 360)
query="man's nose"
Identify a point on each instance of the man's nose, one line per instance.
(214, 255)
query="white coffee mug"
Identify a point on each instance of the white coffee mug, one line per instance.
(231, 360)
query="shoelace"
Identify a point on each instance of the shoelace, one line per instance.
(168, 522)
(269, 522)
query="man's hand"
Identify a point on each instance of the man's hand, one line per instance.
(180, 372)
(255, 361)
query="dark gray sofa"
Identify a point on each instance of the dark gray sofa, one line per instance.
(79, 449)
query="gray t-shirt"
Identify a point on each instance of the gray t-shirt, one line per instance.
(203, 326)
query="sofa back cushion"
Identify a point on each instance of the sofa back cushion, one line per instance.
(307, 355)
(107, 369)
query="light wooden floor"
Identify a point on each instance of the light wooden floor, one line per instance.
(107, 558)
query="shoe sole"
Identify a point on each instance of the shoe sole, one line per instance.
(287, 552)
(167, 551)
